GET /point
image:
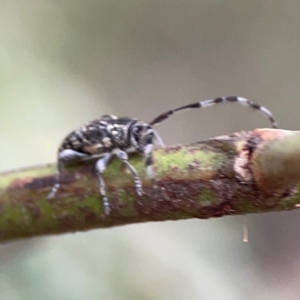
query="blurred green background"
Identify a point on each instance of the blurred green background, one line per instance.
(66, 62)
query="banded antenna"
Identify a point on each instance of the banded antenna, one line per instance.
(206, 103)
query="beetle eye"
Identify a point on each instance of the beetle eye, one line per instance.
(139, 129)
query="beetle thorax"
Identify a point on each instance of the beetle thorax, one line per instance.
(140, 134)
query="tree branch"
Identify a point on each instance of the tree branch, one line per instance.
(246, 172)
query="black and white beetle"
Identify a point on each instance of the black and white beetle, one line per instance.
(109, 135)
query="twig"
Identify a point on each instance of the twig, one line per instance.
(246, 172)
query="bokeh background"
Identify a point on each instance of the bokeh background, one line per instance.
(63, 63)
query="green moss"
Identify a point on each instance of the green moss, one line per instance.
(14, 217)
(182, 159)
(208, 158)
(47, 210)
(94, 204)
(170, 160)
(290, 202)
(244, 206)
(206, 197)
(127, 204)
(117, 168)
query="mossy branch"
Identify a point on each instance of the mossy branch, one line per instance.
(247, 172)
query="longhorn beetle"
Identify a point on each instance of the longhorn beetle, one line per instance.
(109, 136)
